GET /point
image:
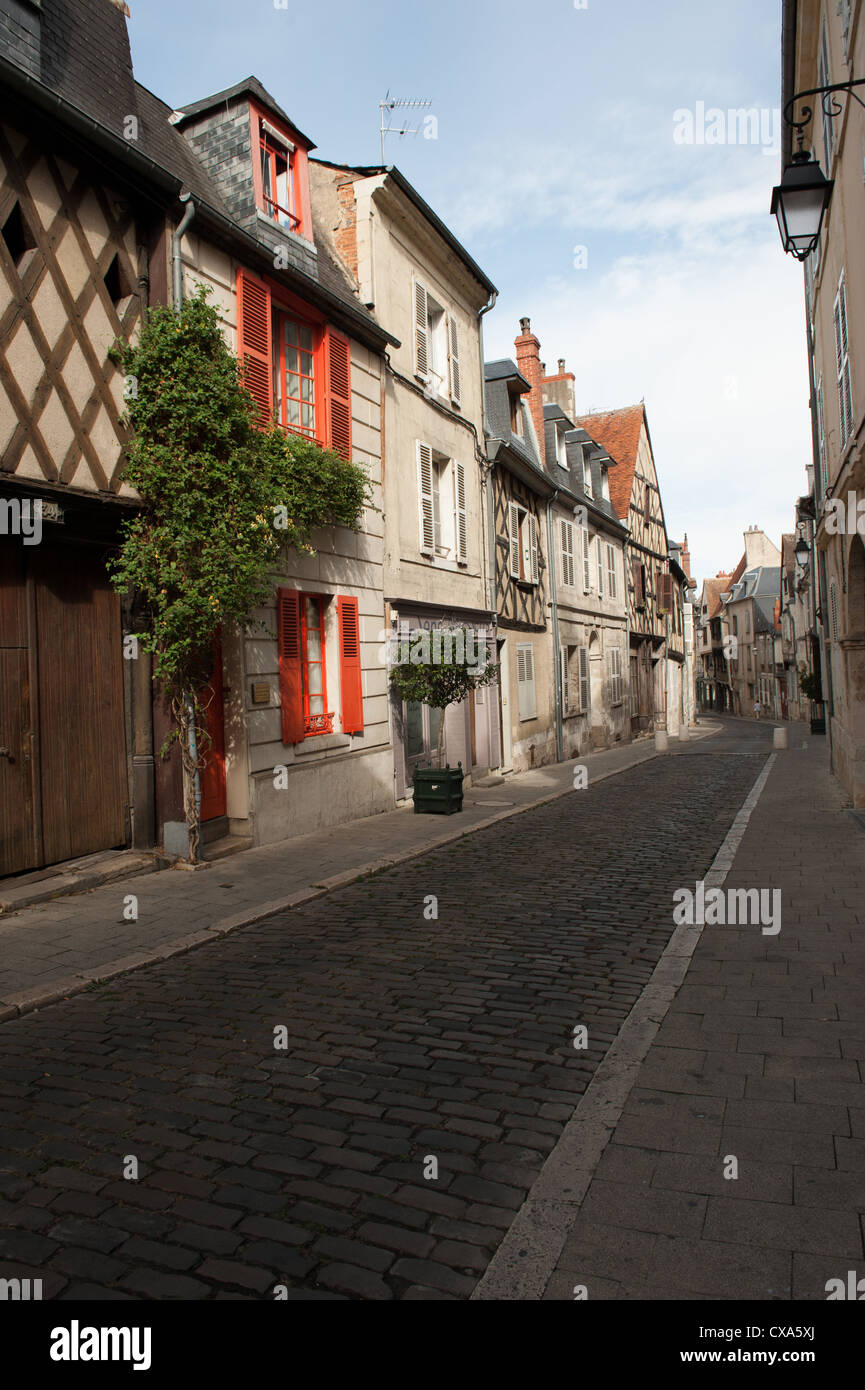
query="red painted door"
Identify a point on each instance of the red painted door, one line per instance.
(213, 803)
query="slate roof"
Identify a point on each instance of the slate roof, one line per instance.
(580, 447)
(250, 86)
(619, 432)
(86, 59)
(497, 416)
(86, 64)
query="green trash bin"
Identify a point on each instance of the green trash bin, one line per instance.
(438, 791)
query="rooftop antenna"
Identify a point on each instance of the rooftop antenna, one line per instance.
(392, 104)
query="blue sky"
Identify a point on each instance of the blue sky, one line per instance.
(556, 131)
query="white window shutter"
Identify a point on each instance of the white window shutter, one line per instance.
(460, 527)
(848, 399)
(568, 569)
(587, 561)
(566, 693)
(612, 587)
(425, 498)
(584, 679)
(514, 540)
(526, 681)
(616, 687)
(533, 549)
(454, 359)
(600, 568)
(421, 330)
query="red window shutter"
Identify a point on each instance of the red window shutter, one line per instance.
(349, 666)
(254, 341)
(290, 693)
(338, 352)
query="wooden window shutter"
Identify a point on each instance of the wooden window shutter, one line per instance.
(254, 342)
(665, 591)
(460, 526)
(290, 692)
(584, 679)
(567, 554)
(566, 692)
(587, 561)
(454, 359)
(350, 685)
(421, 330)
(612, 586)
(514, 540)
(425, 498)
(600, 568)
(339, 393)
(533, 549)
(526, 681)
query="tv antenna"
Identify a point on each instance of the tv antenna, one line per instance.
(393, 104)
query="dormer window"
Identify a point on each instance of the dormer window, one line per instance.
(605, 485)
(587, 476)
(561, 447)
(278, 176)
(281, 173)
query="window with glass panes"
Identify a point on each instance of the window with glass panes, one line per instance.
(296, 357)
(277, 180)
(317, 719)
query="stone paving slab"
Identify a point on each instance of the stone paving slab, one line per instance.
(754, 1011)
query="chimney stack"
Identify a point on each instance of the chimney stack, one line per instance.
(686, 556)
(529, 362)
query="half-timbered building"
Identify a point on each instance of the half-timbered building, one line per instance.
(79, 220)
(520, 494)
(636, 497)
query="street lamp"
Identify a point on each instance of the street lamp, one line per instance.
(799, 203)
(802, 552)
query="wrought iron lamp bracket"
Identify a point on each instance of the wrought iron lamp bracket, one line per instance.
(830, 105)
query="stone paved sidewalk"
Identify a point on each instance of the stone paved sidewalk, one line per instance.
(55, 949)
(761, 1059)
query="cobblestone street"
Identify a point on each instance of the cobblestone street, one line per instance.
(409, 1038)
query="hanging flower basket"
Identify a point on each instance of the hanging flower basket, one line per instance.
(438, 791)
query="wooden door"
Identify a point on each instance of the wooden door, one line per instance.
(18, 841)
(81, 745)
(213, 799)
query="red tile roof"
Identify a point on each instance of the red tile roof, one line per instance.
(619, 433)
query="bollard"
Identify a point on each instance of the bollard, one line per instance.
(662, 742)
(779, 738)
(684, 734)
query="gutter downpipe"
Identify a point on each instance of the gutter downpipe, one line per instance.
(554, 604)
(177, 288)
(487, 476)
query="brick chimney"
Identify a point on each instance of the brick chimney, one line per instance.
(529, 362)
(345, 232)
(686, 556)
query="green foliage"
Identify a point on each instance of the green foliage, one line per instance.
(810, 685)
(220, 498)
(436, 669)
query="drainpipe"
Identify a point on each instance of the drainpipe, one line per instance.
(557, 658)
(177, 287)
(176, 239)
(491, 522)
(487, 479)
